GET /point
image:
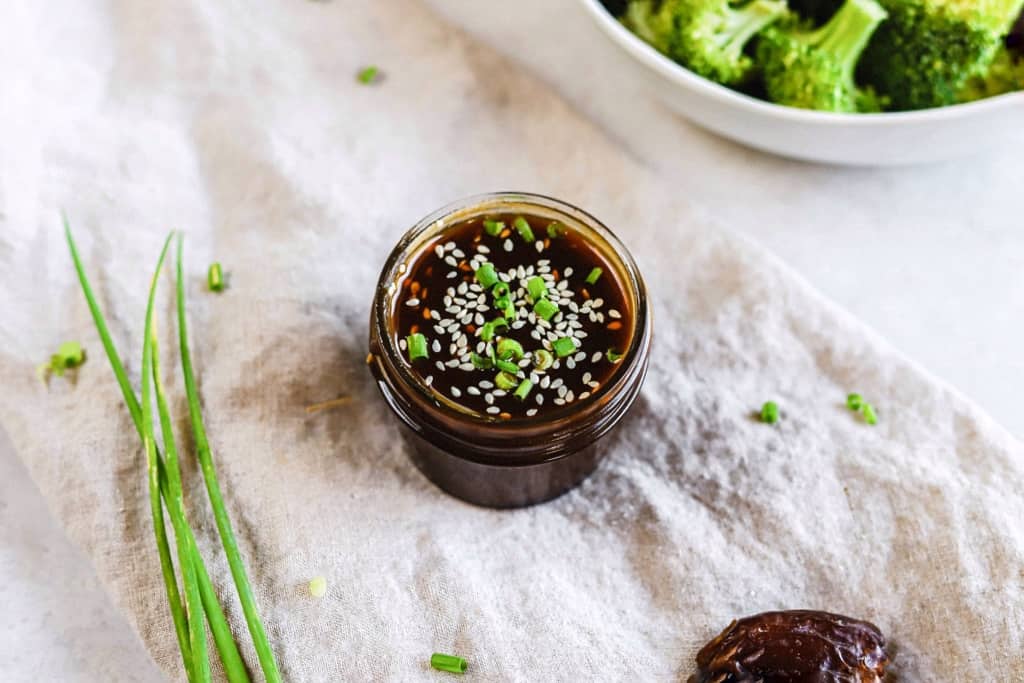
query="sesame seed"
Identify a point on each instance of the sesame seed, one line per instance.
(456, 393)
(482, 248)
(453, 363)
(580, 357)
(563, 284)
(440, 366)
(478, 319)
(473, 391)
(458, 253)
(494, 410)
(429, 380)
(534, 378)
(489, 398)
(402, 343)
(540, 399)
(435, 315)
(450, 260)
(540, 246)
(484, 384)
(463, 286)
(585, 394)
(499, 392)
(596, 358)
(436, 346)
(557, 383)
(570, 363)
(562, 391)
(559, 402)
(567, 272)
(468, 367)
(412, 302)
(587, 377)
(453, 274)
(570, 397)
(532, 411)
(507, 245)
(449, 246)
(593, 384)
(546, 382)
(598, 302)
(612, 313)
(439, 250)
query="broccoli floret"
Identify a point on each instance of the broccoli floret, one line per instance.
(1006, 74)
(814, 68)
(706, 36)
(926, 52)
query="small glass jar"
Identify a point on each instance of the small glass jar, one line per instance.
(476, 457)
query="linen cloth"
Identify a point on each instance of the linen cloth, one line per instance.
(242, 124)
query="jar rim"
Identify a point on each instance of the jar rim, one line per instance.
(488, 429)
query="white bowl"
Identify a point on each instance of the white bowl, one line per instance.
(888, 139)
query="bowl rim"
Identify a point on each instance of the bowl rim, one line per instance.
(680, 75)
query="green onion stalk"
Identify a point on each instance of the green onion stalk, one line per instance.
(220, 515)
(227, 649)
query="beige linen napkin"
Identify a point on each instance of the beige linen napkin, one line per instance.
(243, 125)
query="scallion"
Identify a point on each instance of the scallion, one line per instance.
(524, 229)
(480, 362)
(594, 276)
(486, 275)
(556, 230)
(493, 228)
(215, 278)
(367, 75)
(854, 401)
(523, 390)
(510, 349)
(506, 366)
(449, 663)
(537, 288)
(545, 309)
(505, 381)
(613, 356)
(563, 346)
(499, 290)
(542, 359)
(417, 346)
(770, 412)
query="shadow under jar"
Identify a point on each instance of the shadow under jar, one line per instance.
(510, 332)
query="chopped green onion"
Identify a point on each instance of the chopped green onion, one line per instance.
(556, 230)
(537, 288)
(506, 366)
(500, 290)
(505, 380)
(545, 309)
(524, 229)
(318, 587)
(500, 324)
(854, 401)
(594, 276)
(613, 356)
(486, 275)
(487, 331)
(563, 346)
(417, 345)
(69, 356)
(449, 663)
(215, 278)
(493, 228)
(869, 414)
(367, 75)
(479, 362)
(542, 359)
(504, 304)
(510, 348)
(770, 412)
(523, 390)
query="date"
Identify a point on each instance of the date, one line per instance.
(794, 646)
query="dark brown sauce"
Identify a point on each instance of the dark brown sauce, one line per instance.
(441, 298)
(795, 646)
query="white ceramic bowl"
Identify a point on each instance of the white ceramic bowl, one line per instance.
(889, 139)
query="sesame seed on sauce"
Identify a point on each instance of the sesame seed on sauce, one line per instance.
(512, 325)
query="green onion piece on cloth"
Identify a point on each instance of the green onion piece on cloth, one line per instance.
(854, 401)
(449, 663)
(367, 74)
(215, 278)
(770, 412)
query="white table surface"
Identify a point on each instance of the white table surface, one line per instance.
(930, 257)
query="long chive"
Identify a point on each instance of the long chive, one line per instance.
(226, 646)
(155, 506)
(227, 535)
(175, 503)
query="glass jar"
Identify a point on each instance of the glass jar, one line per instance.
(480, 458)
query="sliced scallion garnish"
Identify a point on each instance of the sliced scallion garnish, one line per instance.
(537, 288)
(563, 346)
(524, 229)
(417, 346)
(367, 75)
(542, 359)
(486, 275)
(506, 366)
(499, 290)
(770, 412)
(480, 362)
(215, 278)
(510, 349)
(505, 381)
(613, 356)
(493, 228)
(854, 401)
(594, 276)
(449, 663)
(556, 230)
(545, 309)
(523, 390)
